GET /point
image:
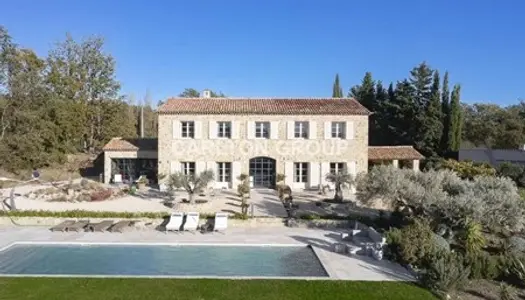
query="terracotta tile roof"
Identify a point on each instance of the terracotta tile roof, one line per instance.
(393, 152)
(134, 144)
(261, 106)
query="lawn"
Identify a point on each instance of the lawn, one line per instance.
(203, 289)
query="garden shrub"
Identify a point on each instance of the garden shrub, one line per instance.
(444, 198)
(515, 270)
(468, 169)
(485, 266)
(414, 244)
(445, 273)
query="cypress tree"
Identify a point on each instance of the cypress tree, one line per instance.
(365, 93)
(337, 91)
(432, 125)
(421, 81)
(455, 119)
(445, 111)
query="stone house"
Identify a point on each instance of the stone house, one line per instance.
(303, 139)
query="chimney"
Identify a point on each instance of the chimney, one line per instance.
(206, 94)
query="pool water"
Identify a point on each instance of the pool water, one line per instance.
(160, 260)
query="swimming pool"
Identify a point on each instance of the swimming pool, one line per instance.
(160, 260)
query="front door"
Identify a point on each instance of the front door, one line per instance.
(262, 169)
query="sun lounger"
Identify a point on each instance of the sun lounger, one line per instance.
(221, 222)
(119, 226)
(78, 226)
(100, 227)
(175, 221)
(62, 226)
(192, 221)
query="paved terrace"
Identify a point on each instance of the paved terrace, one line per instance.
(338, 266)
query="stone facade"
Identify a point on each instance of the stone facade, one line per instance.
(318, 150)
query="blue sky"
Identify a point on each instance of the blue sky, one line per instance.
(288, 47)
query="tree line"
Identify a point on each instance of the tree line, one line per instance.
(69, 101)
(422, 110)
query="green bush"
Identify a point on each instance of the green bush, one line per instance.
(414, 244)
(515, 270)
(445, 273)
(485, 266)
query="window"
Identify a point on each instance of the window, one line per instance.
(338, 130)
(224, 129)
(301, 172)
(262, 130)
(188, 129)
(337, 167)
(224, 171)
(301, 130)
(188, 167)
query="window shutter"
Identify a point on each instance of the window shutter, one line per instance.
(290, 126)
(176, 129)
(235, 129)
(198, 129)
(349, 130)
(212, 129)
(327, 130)
(236, 172)
(352, 168)
(274, 130)
(312, 130)
(314, 174)
(200, 166)
(174, 167)
(325, 169)
(288, 173)
(250, 130)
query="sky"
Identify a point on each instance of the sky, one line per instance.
(287, 48)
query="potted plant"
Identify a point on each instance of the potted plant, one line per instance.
(142, 182)
(243, 189)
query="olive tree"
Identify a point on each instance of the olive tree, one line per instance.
(192, 183)
(445, 198)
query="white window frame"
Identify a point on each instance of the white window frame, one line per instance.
(300, 172)
(337, 167)
(224, 171)
(338, 130)
(224, 129)
(301, 129)
(187, 167)
(187, 129)
(262, 130)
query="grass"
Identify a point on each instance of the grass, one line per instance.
(204, 289)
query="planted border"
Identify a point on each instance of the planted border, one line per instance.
(98, 214)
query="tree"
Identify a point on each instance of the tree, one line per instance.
(365, 92)
(455, 119)
(82, 72)
(337, 91)
(193, 93)
(421, 81)
(192, 183)
(445, 113)
(341, 180)
(432, 123)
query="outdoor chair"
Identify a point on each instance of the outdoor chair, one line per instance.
(175, 222)
(100, 227)
(192, 221)
(62, 226)
(221, 222)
